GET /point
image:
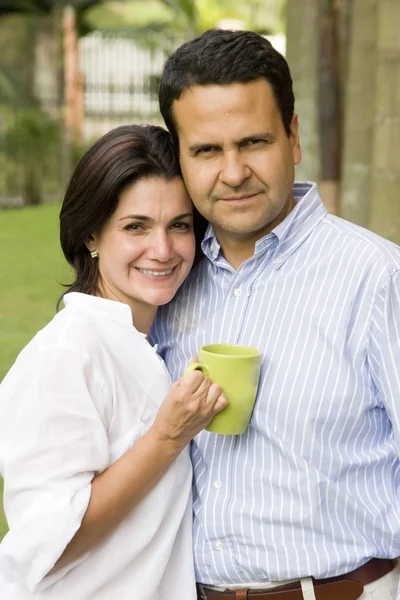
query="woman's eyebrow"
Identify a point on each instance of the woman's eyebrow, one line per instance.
(138, 217)
(183, 216)
(146, 218)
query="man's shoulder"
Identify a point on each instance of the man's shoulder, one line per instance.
(193, 285)
(182, 309)
(373, 247)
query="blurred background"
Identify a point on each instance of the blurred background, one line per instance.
(71, 70)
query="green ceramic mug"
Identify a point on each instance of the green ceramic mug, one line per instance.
(236, 369)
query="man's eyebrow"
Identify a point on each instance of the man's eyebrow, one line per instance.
(195, 147)
(201, 146)
(256, 136)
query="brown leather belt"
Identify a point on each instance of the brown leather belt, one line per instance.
(346, 587)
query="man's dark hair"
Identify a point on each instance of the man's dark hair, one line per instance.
(220, 57)
(117, 160)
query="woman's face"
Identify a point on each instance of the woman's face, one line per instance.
(146, 249)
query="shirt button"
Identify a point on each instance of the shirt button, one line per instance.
(219, 545)
(278, 261)
(238, 292)
(218, 484)
(212, 247)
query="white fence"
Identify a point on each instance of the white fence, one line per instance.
(121, 81)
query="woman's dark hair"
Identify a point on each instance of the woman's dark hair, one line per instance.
(220, 57)
(117, 160)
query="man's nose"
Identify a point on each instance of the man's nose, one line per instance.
(234, 169)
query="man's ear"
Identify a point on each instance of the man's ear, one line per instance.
(295, 139)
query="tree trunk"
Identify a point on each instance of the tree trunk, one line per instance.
(329, 106)
(344, 9)
(359, 109)
(385, 199)
(302, 47)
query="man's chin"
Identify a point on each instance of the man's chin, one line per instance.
(241, 230)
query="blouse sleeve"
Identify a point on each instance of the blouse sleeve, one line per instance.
(53, 441)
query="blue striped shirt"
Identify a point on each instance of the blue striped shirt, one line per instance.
(313, 486)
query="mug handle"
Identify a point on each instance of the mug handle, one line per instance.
(196, 366)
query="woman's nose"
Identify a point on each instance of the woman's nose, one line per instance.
(161, 248)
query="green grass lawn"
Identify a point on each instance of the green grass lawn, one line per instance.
(3, 526)
(31, 270)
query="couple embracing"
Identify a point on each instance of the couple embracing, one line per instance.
(113, 488)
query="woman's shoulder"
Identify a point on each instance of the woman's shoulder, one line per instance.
(61, 356)
(68, 329)
(69, 335)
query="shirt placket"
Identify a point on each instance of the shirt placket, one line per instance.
(237, 296)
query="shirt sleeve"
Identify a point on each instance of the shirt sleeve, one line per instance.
(384, 349)
(53, 441)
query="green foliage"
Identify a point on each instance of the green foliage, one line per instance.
(155, 21)
(115, 15)
(41, 6)
(3, 524)
(29, 154)
(48, 7)
(10, 85)
(29, 133)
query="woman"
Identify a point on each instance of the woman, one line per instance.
(92, 435)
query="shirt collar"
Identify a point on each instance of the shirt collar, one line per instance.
(104, 308)
(289, 234)
(210, 244)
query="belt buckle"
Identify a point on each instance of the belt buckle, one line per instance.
(200, 589)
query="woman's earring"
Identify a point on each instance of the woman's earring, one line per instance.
(94, 254)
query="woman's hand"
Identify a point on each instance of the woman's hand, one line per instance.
(189, 407)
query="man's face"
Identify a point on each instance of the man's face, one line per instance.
(236, 158)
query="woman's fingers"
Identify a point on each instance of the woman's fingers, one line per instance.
(213, 393)
(216, 398)
(206, 395)
(220, 403)
(192, 382)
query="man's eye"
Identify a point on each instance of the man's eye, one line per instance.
(205, 150)
(254, 142)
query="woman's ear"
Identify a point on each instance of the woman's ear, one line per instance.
(91, 243)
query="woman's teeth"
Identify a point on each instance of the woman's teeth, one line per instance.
(155, 273)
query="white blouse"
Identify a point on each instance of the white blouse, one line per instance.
(81, 393)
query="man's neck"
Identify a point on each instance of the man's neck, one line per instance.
(236, 252)
(239, 248)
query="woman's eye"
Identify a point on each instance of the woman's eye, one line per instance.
(133, 227)
(182, 226)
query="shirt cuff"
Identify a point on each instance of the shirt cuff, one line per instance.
(34, 544)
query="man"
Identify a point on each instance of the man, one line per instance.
(310, 492)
